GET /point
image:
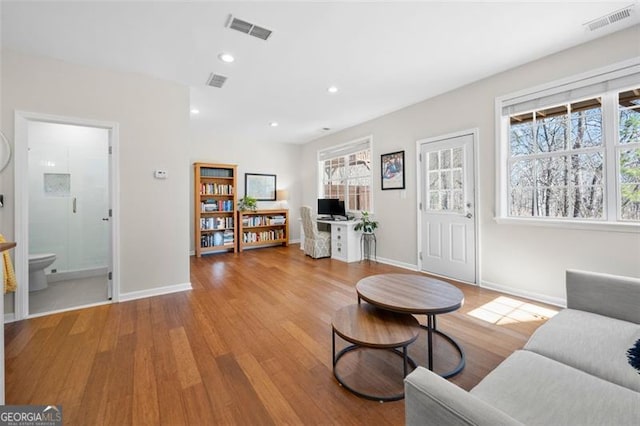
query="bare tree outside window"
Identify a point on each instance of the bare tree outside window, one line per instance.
(629, 154)
(556, 162)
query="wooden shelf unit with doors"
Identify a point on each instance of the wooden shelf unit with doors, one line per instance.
(263, 228)
(215, 196)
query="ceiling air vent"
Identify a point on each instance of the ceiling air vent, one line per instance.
(609, 19)
(216, 80)
(248, 28)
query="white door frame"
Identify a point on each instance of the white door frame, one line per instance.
(21, 219)
(475, 133)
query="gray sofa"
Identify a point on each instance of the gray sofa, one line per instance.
(572, 371)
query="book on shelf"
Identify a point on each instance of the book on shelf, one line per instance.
(264, 236)
(277, 220)
(216, 189)
(209, 223)
(209, 206)
(216, 172)
(249, 221)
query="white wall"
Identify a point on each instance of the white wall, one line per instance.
(153, 117)
(523, 259)
(282, 160)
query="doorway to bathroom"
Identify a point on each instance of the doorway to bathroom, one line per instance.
(67, 215)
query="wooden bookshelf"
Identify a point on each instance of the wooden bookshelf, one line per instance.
(263, 228)
(215, 198)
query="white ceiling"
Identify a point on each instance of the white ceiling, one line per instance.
(382, 55)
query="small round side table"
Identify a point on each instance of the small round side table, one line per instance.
(366, 326)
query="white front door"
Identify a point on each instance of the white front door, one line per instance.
(447, 211)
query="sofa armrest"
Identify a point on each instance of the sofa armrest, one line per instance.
(609, 295)
(432, 400)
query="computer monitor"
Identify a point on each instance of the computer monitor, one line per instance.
(331, 207)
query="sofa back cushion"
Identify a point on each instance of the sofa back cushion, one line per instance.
(592, 343)
(609, 295)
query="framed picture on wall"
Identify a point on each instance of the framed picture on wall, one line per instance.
(392, 170)
(260, 186)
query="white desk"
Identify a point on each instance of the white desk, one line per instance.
(345, 241)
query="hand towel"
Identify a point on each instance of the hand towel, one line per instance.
(9, 274)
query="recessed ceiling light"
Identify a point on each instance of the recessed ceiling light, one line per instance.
(273, 124)
(226, 57)
(332, 89)
(195, 111)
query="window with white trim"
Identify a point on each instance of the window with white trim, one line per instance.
(344, 172)
(572, 152)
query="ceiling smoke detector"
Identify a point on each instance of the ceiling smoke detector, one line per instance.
(248, 28)
(216, 80)
(609, 19)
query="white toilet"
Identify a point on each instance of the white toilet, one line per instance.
(37, 265)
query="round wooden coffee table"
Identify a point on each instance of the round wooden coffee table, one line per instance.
(370, 327)
(415, 294)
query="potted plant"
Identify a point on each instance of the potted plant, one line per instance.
(247, 203)
(366, 224)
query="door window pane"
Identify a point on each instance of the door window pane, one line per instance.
(445, 180)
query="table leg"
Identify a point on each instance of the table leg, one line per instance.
(430, 324)
(333, 346)
(432, 328)
(404, 361)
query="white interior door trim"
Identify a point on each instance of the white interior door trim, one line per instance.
(475, 133)
(21, 182)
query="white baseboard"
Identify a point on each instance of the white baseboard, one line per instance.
(75, 275)
(133, 295)
(556, 301)
(10, 317)
(398, 264)
(297, 241)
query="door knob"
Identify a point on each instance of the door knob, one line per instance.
(468, 215)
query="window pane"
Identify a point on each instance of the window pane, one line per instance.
(457, 179)
(445, 200)
(552, 201)
(629, 106)
(434, 180)
(458, 202)
(586, 124)
(630, 184)
(587, 202)
(446, 158)
(552, 171)
(445, 179)
(587, 169)
(551, 129)
(457, 157)
(434, 200)
(434, 162)
(521, 135)
(521, 202)
(522, 173)
(348, 178)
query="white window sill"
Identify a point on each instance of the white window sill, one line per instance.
(630, 227)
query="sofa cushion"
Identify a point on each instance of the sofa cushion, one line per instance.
(589, 342)
(540, 391)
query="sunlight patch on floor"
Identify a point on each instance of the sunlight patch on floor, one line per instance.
(505, 310)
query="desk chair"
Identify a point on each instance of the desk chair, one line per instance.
(316, 243)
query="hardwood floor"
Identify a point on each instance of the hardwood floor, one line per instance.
(251, 344)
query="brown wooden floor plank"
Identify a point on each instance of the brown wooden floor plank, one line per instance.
(145, 392)
(250, 344)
